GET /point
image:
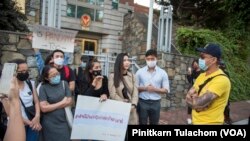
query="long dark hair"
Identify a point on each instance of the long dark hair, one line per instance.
(45, 74)
(89, 66)
(118, 69)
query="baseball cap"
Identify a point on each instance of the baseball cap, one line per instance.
(211, 49)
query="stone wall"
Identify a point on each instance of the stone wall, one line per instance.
(17, 46)
(176, 67)
(134, 39)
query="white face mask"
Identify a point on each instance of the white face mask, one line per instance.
(151, 64)
(59, 61)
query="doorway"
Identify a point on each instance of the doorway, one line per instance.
(87, 46)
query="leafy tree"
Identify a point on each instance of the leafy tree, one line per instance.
(229, 16)
(10, 16)
(201, 13)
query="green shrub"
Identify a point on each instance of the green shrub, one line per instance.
(234, 55)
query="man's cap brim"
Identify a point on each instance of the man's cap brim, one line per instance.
(201, 50)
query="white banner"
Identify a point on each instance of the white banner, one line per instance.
(52, 38)
(97, 120)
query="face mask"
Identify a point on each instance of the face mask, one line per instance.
(59, 61)
(83, 65)
(202, 64)
(97, 72)
(151, 64)
(55, 80)
(23, 76)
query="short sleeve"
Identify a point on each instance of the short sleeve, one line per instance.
(42, 94)
(67, 90)
(219, 85)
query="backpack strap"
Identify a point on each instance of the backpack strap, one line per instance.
(206, 81)
(67, 72)
(29, 84)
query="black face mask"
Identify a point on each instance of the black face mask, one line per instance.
(97, 72)
(23, 76)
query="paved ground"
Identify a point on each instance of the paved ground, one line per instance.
(240, 111)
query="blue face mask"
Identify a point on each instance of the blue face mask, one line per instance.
(83, 64)
(55, 80)
(202, 64)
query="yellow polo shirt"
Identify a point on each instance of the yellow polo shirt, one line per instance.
(220, 85)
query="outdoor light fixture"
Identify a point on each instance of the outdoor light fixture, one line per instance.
(163, 2)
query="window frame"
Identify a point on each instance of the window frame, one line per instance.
(77, 3)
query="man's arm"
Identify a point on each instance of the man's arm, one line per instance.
(72, 86)
(199, 102)
(204, 100)
(39, 60)
(72, 80)
(141, 89)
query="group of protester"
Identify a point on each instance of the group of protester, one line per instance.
(59, 82)
(143, 90)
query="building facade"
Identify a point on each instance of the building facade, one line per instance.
(99, 22)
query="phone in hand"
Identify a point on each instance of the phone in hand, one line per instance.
(9, 70)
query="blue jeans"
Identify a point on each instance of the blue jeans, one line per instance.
(149, 109)
(31, 135)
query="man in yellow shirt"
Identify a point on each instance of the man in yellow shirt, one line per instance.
(208, 101)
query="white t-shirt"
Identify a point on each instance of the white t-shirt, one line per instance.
(38, 88)
(27, 97)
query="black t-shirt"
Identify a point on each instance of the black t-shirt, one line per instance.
(63, 74)
(89, 90)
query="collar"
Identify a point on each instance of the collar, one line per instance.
(154, 68)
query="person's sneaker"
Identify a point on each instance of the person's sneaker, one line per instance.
(189, 121)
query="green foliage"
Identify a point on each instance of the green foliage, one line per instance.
(239, 72)
(10, 17)
(188, 39)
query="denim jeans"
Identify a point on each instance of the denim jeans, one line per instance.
(149, 110)
(31, 135)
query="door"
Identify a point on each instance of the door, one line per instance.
(89, 46)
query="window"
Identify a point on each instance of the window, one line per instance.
(99, 15)
(100, 2)
(83, 10)
(94, 8)
(71, 9)
(115, 4)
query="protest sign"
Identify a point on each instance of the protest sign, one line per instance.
(100, 120)
(52, 38)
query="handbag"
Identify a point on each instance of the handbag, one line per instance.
(68, 112)
(30, 111)
(125, 89)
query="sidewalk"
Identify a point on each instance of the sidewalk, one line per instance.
(239, 112)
